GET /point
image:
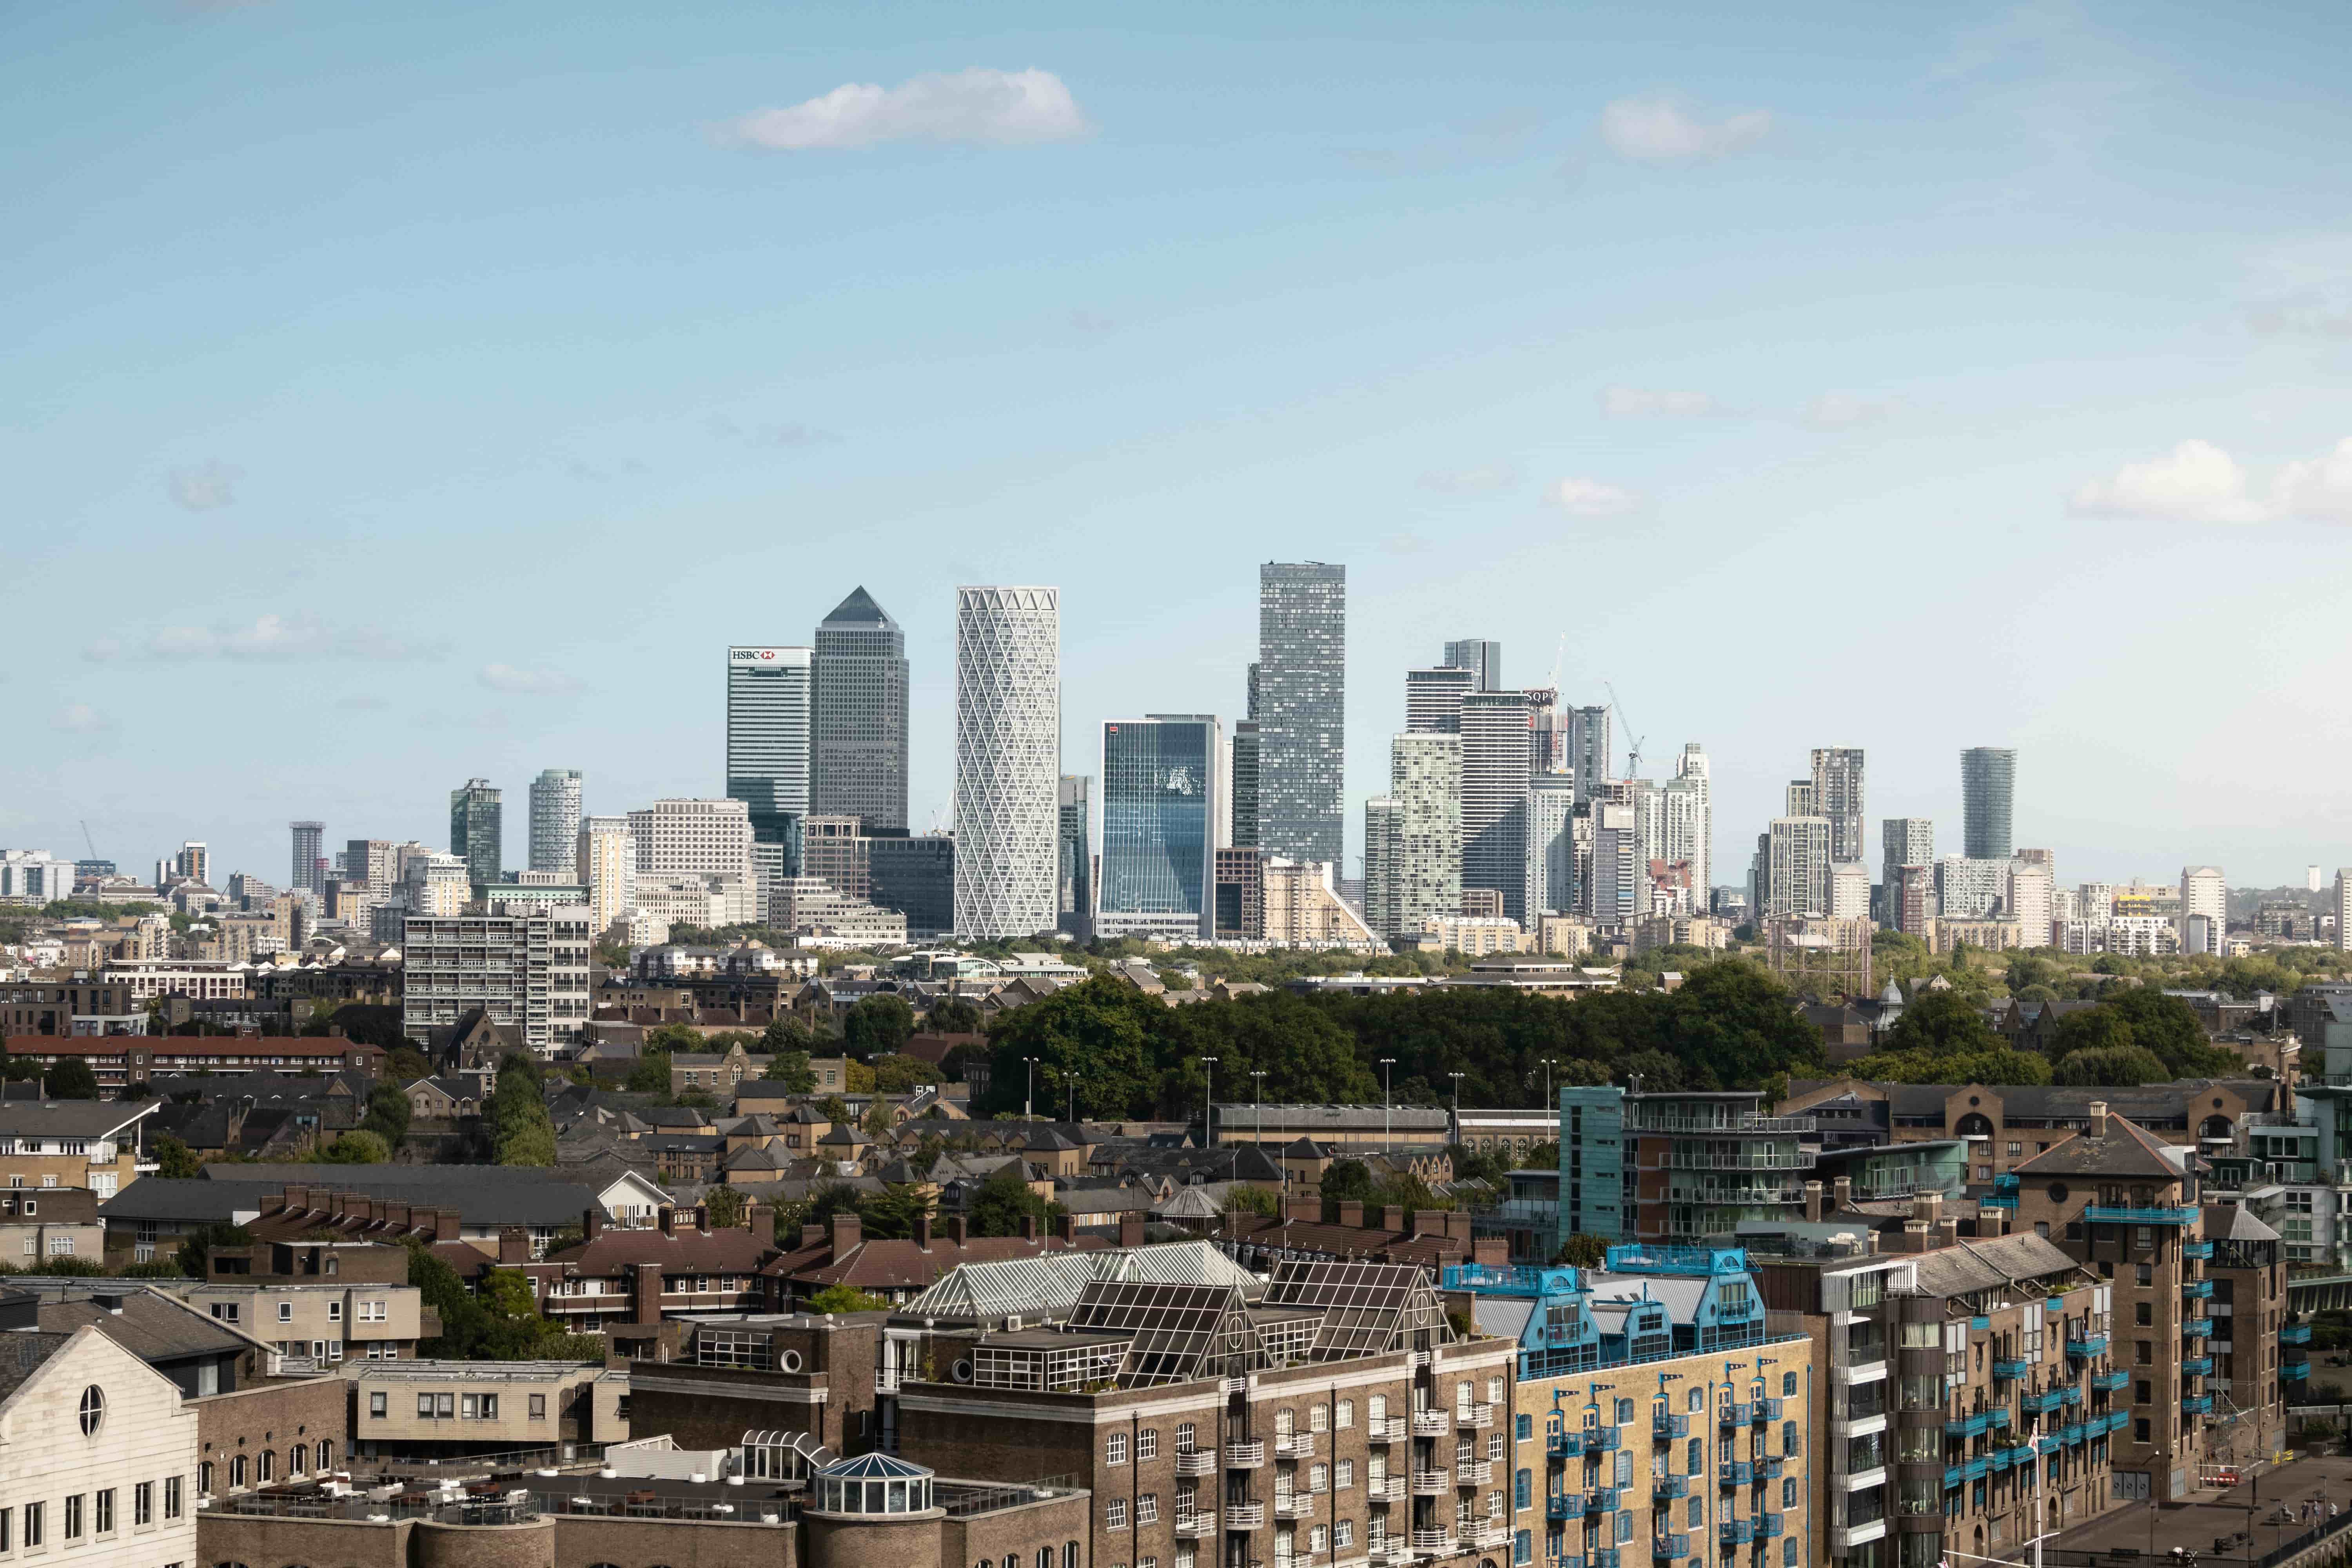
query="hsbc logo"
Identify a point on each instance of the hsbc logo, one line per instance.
(752, 655)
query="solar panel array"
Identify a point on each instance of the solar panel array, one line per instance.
(1181, 1331)
(1368, 1308)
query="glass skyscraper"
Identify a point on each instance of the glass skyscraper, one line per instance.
(768, 697)
(1482, 657)
(1301, 708)
(1160, 808)
(1008, 760)
(476, 825)
(857, 764)
(1988, 797)
(1495, 764)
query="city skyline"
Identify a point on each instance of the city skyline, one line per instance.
(240, 403)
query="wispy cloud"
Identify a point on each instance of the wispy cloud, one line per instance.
(1660, 130)
(2198, 481)
(978, 107)
(1646, 402)
(1484, 480)
(303, 635)
(528, 682)
(1590, 498)
(204, 487)
(80, 719)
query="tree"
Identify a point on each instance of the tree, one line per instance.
(1941, 1023)
(173, 1158)
(196, 1246)
(387, 1114)
(845, 1299)
(783, 1033)
(1243, 1198)
(359, 1147)
(407, 1064)
(2168, 1026)
(2090, 1029)
(1098, 1034)
(898, 1073)
(1003, 1201)
(2000, 1065)
(790, 1068)
(2115, 1066)
(834, 1110)
(725, 1205)
(69, 1077)
(650, 1074)
(520, 1130)
(878, 1119)
(953, 1015)
(1583, 1251)
(1475, 1165)
(1348, 1180)
(876, 1025)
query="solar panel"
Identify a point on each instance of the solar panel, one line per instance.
(1181, 1331)
(1369, 1308)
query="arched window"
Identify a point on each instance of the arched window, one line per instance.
(1045, 1557)
(204, 1476)
(268, 1465)
(326, 1452)
(1697, 1400)
(1788, 1388)
(1070, 1555)
(236, 1472)
(1012, 1559)
(295, 1457)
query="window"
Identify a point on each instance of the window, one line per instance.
(1318, 1419)
(376, 1404)
(1115, 1449)
(204, 1476)
(1376, 1409)
(1184, 1438)
(1070, 1555)
(1524, 1428)
(73, 1517)
(1522, 1488)
(1788, 1385)
(1147, 1512)
(1347, 1417)
(1318, 1541)
(1343, 1475)
(61, 1246)
(102, 1513)
(7, 1529)
(538, 1407)
(1495, 1445)
(334, 1311)
(1115, 1514)
(297, 1460)
(268, 1464)
(1789, 1552)
(93, 1410)
(479, 1406)
(35, 1521)
(2015, 1150)
(1624, 1413)
(171, 1497)
(326, 1453)
(224, 1311)
(2141, 1395)
(1319, 1478)
(2139, 1430)
(2144, 1353)
(142, 1504)
(1789, 1493)
(1343, 1534)
(285, 1311)
(1146, 1444)
(1523, 1547)
(2143, 1313)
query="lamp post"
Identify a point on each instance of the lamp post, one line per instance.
(1029, 1095)
(1258, 1090)
(1209, 1102)
(1457, 1105)
(1386, 1063)
(1546, 1099)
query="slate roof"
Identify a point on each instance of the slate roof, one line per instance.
(2235, 1222)
(2126, 1151)
(883, 1265)
(151, 1326)
(190, 1200)
(731, 1250)
(1980, 1265)
(69, 1117)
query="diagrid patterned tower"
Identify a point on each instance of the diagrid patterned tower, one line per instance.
(1008, 760)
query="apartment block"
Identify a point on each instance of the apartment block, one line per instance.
(528, 971)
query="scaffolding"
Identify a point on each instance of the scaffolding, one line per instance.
(1821, 954)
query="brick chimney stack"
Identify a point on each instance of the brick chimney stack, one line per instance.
(2098, 1119)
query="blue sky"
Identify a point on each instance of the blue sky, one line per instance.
(396, 394)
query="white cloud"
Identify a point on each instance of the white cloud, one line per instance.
(1658, 131)
(206, 486)
(2195, 482)
(80, 719)
(1644, 403)
(2319, 488)
(1843, 411)
(303, 635)
(530, 682)
(976, 107)
(1590, 498)
(1481, 480)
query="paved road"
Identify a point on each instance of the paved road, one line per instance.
(2215, 1515)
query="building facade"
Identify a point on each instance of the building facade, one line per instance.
(1301, 711)
(605, 861)
(1432, 698)
(1425, 781)
(1988, 802)
(477, 830)
(1496, 768)
(768, 703)
(1161, 809)
(1008, 745)
(1838, 795)
(1482, 657)
(526, 971)
(555, 820)
(309, 870)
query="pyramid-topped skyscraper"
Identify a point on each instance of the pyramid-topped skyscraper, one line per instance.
(858, 751)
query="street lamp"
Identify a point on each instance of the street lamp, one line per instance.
(1386, 1063)
(1457, 1105)
(1546, 1099)
(1209, 1102)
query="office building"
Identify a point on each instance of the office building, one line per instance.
(1241, 895)
(768, 699)
(833, 850)
(1482, 657)
(1551, 846)
(605, 863)
(477, 830)
(1425, 782)
(1242, 789)
(1432, 698)
(1687, 803)
(2204, 891)
(525, 970)
(1988, 801)
(35, 876)
(1799, 852)
(1383, 835)
(309, 866)
(1903, 841)
(1496, 767)
(915, 875)
(1162, 776)
(555, 820)
(693, 838)
(373, 863)
(820, 915)
(858, 709)
(1967, 888)
(1008, 752)
(1589, 751)
(1546, 733)
(1618, 876)
(1837, 794)
(1074, 898)
(1302, 676)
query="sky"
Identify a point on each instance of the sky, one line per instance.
(392, 395)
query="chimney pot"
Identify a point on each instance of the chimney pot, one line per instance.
(1813, 1202)
(846, 1233)
(1028, 1228)
(1842, 1192)
(668, 1220)
(958, 1229)
(1130, 1229)
(764, 1224)
(1065, 1229)
(591, 1221)
(1351, 1212)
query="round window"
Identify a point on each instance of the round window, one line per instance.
(791, 1361)
(2057, 1192)
(960, 1372)
(93, 1410)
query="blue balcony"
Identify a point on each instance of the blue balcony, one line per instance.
(2294, 1371)
(1967, 1426)
(1666, 1486)
(1607, 1500)
(1600, 1557)
(1640, 1259)
(2110, 1381)
(1980, 1325)
(2198, 1367)
(2107, 1213)
(1604, 1439)
(1951, 1477)
(2009, 1369)
(2072, 1435)
(2001, 1418)
(2003, 1459)
(2004, 1194)
(1974, 1470)
(1735, 1532)
(2043, 1399)
(2070, 1395)
(1770, 1469)
(1569, 1562)
(1736, 1414)
(1735, 1473)
(1666, 1428)
(1564, 1505)
(2198, 1405)
(2196, 1289)
(1669, 1547)
(2196, 1329)
(1769, 1525)
(2295, 1334)
(1768, 1409)
(2045, 1445)
(2203, 1249)
(1565, 1445)
(2087, 1346)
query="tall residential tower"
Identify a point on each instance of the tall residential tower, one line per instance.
(1302, 690)
(476, 825)
(555, 820)
(1987, 799)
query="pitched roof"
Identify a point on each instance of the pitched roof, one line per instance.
(2126, 1151)
(69, 1118)
(151, 1326)
(883, 1265)
(858, 609)
(1982, 1264)
(732, 1249)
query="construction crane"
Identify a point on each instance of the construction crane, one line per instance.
(1632, 742)
(1558, 659)
(87, 839)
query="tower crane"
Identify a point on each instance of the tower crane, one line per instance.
(1632, 742)
(87, 839)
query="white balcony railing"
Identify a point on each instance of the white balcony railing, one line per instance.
(1293, 1444)
(1476, 1415)
(1430, 1423)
